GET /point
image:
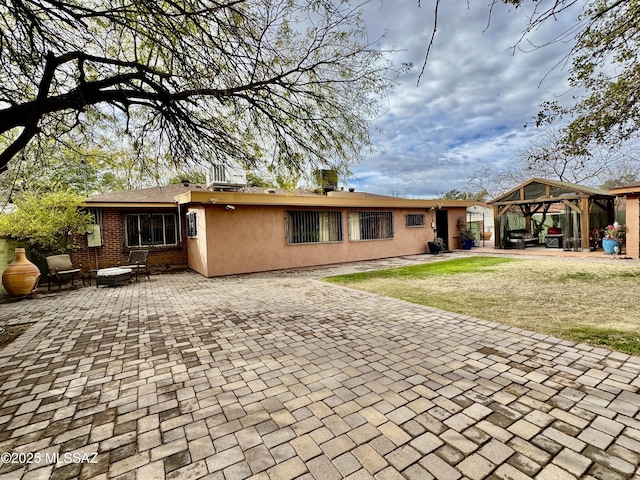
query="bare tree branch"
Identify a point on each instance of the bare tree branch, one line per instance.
(206, 80)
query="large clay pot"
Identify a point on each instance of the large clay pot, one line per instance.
(21, 276)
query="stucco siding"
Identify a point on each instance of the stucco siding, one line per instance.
(633, 226)
(197, 246)
(254, 239)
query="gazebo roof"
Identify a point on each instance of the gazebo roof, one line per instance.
(539, 190)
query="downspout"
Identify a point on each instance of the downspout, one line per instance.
(179, 223)
(179, 219)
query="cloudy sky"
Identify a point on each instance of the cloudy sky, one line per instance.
(469, 110)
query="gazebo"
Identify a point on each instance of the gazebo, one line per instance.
(552, 213)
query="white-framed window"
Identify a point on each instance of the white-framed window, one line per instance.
(192, 225)
(415, 219)
(313, 227)
(149, 229)
(370, 225)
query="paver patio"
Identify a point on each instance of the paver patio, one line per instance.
(282, 376)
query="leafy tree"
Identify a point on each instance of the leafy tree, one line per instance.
(604, 63)
(549, 157)
(276, 83)
(46, 223)
(619, 181)
(194, 176)
(254, 180)
(56, 168)
(456, 194)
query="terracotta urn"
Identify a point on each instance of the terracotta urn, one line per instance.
(21, 276)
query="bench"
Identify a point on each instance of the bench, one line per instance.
(521, 238)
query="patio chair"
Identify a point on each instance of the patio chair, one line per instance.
(60, 268)
(137, 261)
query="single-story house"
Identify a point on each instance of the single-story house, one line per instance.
(243, 230)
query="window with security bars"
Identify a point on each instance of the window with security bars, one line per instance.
(192, 227)
(415, 219)
(313, 227)
(370, 225)
(145, 230)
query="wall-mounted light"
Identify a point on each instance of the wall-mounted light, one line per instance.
(213, 200)
(229, 207)
(439, 205)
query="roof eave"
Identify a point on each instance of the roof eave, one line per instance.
(224, 198)
(90, 204)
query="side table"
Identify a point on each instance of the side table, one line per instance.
(553, 241)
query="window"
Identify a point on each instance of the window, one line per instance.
(370, 225)
(415, 219)
(314, 227)
(192, 228)
(146, 230)
(96, 215)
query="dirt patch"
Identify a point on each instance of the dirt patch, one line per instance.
(9, 334)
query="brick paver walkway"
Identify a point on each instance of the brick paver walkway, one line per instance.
(281, 376)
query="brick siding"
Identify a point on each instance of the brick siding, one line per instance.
(114, 249)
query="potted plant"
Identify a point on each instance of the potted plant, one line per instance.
(613, 237)
(464, 234)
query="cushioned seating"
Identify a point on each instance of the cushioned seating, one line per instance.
(521, 238)
(60, 268)
(114, 276)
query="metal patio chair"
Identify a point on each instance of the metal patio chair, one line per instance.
(60, 268)
(136, 261)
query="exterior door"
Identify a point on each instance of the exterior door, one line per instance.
(442, 226)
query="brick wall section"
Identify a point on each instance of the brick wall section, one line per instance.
(114, 249)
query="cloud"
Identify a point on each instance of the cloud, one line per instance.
(473, 100)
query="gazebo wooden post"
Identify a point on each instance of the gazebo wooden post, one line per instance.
(585, 224)
(611, 210)
(497, 236)
(527, 217)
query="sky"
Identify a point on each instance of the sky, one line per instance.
(469, 110)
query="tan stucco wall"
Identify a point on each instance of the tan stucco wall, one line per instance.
(197, 247)
(633, 226)
(253, 239)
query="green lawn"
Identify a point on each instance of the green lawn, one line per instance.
(589, 302)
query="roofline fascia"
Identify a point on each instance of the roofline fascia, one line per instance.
(266, 199)
(622, 191)
(583, 191)
(548, 200)
(129, 205)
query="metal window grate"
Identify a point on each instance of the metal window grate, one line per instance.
(314, 227)
(370, 225)
(192, 227)
(415, 219)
